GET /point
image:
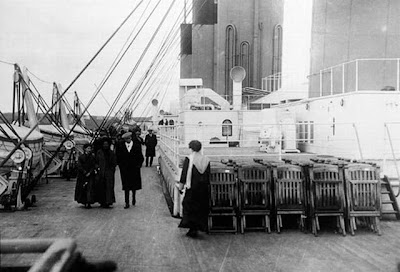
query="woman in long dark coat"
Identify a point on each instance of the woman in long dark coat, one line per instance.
(130, 159)
(84, 189)
(106, 162)
(196, 179)
(151, 142)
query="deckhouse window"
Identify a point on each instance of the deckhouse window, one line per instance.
(227, 128)
(305, 132)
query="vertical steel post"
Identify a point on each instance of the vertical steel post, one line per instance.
(397, 75)
(356, 75)
(320, 83)
(393, 154)
(280, 141)
(358, 142)
(331, 81)
(343, 78)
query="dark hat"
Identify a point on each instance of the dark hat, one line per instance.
(135, 129)
(105, 139)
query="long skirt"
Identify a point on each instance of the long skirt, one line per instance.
(195, 209)
(84, 190)
(105, 190)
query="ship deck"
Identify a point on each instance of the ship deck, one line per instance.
(146, 237)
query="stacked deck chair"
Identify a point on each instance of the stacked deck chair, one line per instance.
(255, 195)
(327, 197)
(363, 192)
(289, 192)
(223, 199)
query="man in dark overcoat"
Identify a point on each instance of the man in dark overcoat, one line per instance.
(150, 141)
(130, 160)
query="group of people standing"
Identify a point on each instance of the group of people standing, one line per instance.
(96, 170)
(95, 182)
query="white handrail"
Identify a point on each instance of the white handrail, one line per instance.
(325, 89)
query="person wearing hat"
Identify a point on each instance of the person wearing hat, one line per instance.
(150, 141)
(130, 159)
(84, 190)
(106, 162)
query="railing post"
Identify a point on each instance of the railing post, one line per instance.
(280, 80)
(269, 85)
(280, 142)
(331, 81)
(343, 78)
(320, 83)
(356, 75)
(398, 74)
(392, 149)
(176, 146)
(358, 142)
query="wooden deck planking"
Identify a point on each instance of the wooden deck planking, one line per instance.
(146, 237)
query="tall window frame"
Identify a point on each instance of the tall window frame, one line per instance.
(277, 57)
(230, 58)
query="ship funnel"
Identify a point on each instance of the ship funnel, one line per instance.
(154, 102)
(237, 75)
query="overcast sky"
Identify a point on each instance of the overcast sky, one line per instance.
(55, 39)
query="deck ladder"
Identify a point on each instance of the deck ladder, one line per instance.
(387, 188)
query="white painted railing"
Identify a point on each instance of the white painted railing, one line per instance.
(272, 83)
(346, 140)
(350, 140)
(169, 143)
(359, 75)
(205, 102)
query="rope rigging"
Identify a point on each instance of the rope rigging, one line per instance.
(147, 109)
(148, 86)
(65, 91)
(132, 72)
(8, 124)
(150, 71)
(159, 58)
(44, 81)
(7, 62)
(147, 82)
(137, 63)
(120, 58)
(134, 95)
(144, 81)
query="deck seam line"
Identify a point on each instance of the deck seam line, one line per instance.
(226, 254)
